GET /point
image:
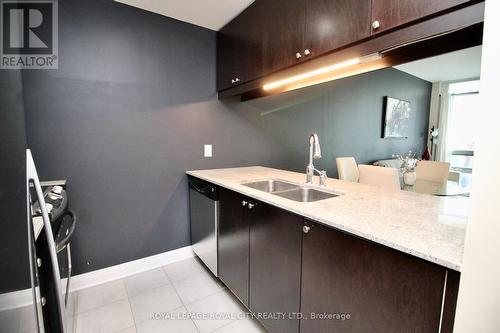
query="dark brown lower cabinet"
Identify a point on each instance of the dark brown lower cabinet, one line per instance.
(233, 242)
(275, 267)
(336, 281)
(382, 290)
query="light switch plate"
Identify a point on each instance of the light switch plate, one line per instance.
(208, 151)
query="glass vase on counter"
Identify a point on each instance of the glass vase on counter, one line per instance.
(409, 177)
(408, 165)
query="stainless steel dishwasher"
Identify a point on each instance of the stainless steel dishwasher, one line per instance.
(203, 209)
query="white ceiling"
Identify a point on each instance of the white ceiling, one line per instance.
(211, 14)
(458, 65)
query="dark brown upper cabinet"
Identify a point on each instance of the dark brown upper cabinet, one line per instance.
(331, 24)
(271, 35)
(226, 59)
(275, 34)
(239, 48)
(388, 14)
(283, 39)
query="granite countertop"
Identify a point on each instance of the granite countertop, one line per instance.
(422, 225)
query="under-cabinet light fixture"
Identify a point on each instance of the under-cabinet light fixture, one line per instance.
(320, 71)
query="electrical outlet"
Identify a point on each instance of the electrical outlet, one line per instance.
(208, 151)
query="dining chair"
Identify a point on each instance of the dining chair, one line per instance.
(433, 171)
(387, 178)
(348, 169)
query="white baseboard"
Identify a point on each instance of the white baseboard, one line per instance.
(22, 298)
(16, 299)
(112, 273)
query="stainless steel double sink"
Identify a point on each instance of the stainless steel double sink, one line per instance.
(295, 192)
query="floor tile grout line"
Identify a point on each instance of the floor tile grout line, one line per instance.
(220, 291)
(125, 284)
(126, 289)
(147, 290)
(182, 302)
(204, 297)
(151, 270)
(186, 304)
(177, 293)
(183, 307)
(101, 306)
(199, 299)
(126, 328)
(168, 276)
(150, 290)
(162, 268)
(218, 328)
(131, 311)
(129, 296)
(220, 288)
(193, 275)
(145, 320)
(121, 299)
(196, 326)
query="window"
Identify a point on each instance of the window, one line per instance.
(461, 127)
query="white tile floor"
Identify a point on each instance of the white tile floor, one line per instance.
(180, 297)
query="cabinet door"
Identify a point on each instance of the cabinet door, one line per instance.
(392, 13)
(275, 265)
(283, 33)
(239, 48)
(226, 59)
(331, 24)
(233, 244)
(381, 289)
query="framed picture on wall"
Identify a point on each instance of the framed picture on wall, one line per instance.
(396, 118)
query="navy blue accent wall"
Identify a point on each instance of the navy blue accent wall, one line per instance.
(14, 268)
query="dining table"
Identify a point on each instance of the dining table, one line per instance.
(450, 188)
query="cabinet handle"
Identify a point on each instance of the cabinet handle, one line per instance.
(376, 24)
(306, 229)
(307, 52)
(251, 205)
(298, 55)
(244, 203)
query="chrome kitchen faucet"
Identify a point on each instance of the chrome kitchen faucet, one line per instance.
(314, 152)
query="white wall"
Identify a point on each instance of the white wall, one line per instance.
(478, 308)
(438, 116)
